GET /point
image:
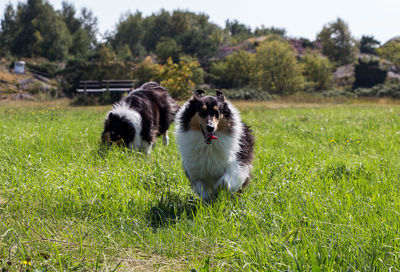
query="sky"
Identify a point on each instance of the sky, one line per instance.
(305, 18)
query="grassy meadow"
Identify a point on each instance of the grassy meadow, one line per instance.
(325, 195)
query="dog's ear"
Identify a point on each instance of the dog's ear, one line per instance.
(220, 95)
(198, 93)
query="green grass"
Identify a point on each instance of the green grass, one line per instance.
(325, 195)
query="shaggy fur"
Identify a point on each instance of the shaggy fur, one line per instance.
(216, 146)
(140, 117)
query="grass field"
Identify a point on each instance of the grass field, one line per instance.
(325, 195)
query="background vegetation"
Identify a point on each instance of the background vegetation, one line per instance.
(184, 50)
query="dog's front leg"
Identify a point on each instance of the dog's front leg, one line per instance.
(199, 188)
(233, 178)
(165, 138)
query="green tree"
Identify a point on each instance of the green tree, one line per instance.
(368, 44)
(391, 52)
(197, 44)
(8, 29)
(234, 71)
(130, 30)
(275, 69)
(166, 48)
(157, 26)
(317, 70)
(369, 72)
(337, 42)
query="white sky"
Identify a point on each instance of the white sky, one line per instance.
(300, 18)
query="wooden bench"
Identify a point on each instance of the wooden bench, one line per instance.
(95, 86)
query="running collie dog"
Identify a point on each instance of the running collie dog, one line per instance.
(216, 146)
(140, 117)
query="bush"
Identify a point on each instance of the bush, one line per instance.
(247, 94)
(317, 70)
(233, 71)
(337, 93)
(275, 69)
(381, 90)
(369, 72)
(391, 52)
(147, 71)
(45, 68)
(180, 78)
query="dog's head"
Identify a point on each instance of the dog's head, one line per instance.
(117, 130)
(208, 114)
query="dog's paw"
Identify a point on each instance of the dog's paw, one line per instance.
(201, 190)
(223, 182)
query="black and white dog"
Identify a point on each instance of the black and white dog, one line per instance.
(140, 117)
(216, 146)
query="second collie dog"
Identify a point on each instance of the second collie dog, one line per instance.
(216, 146)
(140, 117)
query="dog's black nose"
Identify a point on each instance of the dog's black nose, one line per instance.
(210, 128)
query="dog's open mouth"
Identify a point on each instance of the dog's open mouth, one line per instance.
(208, 136)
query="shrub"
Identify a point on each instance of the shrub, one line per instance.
(391, 51)
(381, 90)
(233, 71)
(317, 70)
(247, 94)
(146, 71)
(180, 78)
(275, 69)
(369, 72)
(45, 68)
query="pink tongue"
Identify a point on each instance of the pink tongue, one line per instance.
(213, 137)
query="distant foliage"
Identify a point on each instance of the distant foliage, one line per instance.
(234, 71)
(391, 52)
(35, 29)
(276, 69)
(166, 48)
(317, 70)
(247, 94)
(146, 71)
(381, 90)
(103, 65)
(337, 42)
(368, 45)
(179, 78)
(369, 72)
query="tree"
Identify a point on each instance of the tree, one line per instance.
(317, 70)
(276, 69)
(196, 43)
(234, 71)
(166, 48)
(391, 52)
(337, 42)
(8, 29)
(157, 26)
(368, 44)
(130, 30)
(369, 72)
(263, 31)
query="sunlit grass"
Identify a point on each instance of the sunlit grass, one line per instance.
(325, 195)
